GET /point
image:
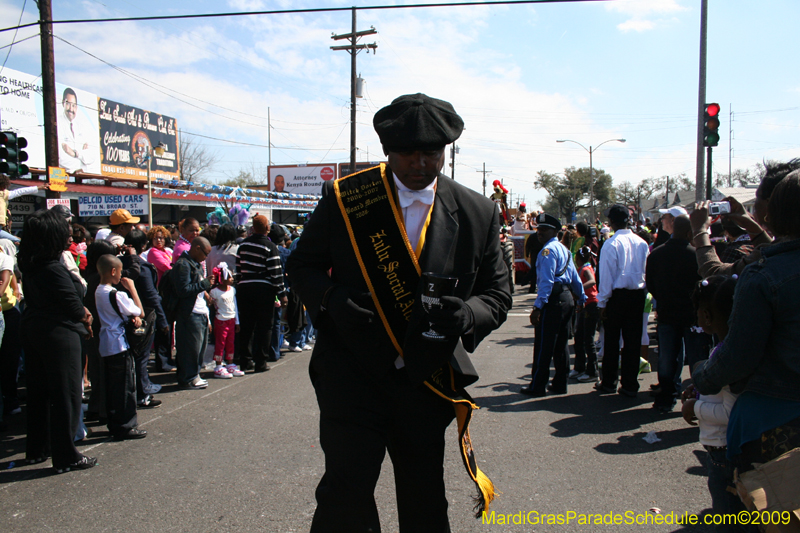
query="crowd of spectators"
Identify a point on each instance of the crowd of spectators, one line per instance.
(723, 290)
(94, 312)
(88, 314)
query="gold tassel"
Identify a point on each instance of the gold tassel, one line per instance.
(487, 493)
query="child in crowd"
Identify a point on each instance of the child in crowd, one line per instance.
(112, 307)
(585, 349)
(226, 322)
(713, 301)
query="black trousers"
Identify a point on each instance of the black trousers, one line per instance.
(550, 344)
(120, 392)
(585, 349)
(623, 314)
(256, 303)
(53, 376)
(10, 351)
(360, 419)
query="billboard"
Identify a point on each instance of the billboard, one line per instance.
(103, 206)
(344, 168)
(128, 133)
(300, 179)
(95, 135)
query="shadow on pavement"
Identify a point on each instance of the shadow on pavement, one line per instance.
(635, 444)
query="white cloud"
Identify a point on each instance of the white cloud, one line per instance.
(644, 15)
(637, 25)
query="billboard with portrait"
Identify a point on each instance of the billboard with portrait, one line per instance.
(95, 135)
(300, 179)
(76, 116)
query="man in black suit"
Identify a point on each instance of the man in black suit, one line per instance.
(373, 383)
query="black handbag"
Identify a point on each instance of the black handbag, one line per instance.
(137, 337)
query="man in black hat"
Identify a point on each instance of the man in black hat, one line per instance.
(380, 383)
(558, 284)
(621, 296)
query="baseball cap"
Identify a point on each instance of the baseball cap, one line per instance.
(122, 216)
(675, 211)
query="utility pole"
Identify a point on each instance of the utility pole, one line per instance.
(353, 49)
(48, 90)
(698, 187)
(453, 151)
(484, 171)
(269, 141)
(730, 144)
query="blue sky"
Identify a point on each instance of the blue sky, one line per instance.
(521, 76)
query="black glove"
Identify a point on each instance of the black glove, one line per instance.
(453, 319)
(346, 307)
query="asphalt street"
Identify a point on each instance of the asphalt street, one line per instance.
(244, 455)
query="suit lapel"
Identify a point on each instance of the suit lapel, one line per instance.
(440, 240)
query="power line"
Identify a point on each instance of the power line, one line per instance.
(15, 36)
(300, 11)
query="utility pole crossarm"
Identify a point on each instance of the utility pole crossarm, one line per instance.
(371, 31)
(372, 46)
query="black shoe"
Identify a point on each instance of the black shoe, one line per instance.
(36, 460)
(263, 367)
(527, 391)
(663, 409)
(602, 389)
(148, 403)
(655, 391)
(133, 433)
(626, 392)
(84, 463)
(553, 390)
(249, 365)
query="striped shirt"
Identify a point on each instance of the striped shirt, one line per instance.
(258, 261)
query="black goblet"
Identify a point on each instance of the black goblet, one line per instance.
(434, 287)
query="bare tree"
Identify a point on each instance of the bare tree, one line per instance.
(195, 158)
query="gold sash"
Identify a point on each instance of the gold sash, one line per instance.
(391, 270)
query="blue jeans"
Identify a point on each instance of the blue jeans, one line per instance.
(277, 337)
(720, 477)
(674, 344)
(191, 339)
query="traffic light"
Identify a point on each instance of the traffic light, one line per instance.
(711, 125)
(12, 154)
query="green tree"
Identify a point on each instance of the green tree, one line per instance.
(739, 177)
(243, 179)
(570, 190)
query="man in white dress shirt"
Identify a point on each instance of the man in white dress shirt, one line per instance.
(77, 142)
(621, 297)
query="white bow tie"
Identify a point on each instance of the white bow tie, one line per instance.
(409, 197)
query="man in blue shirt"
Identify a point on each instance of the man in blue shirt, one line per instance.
(558, 288)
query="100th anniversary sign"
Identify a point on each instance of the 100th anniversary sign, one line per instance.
(128, 136)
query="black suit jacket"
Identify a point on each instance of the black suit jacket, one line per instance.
(462, 241)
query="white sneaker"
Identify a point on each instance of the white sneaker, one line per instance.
(285, 344)
(307, 347)
(234, 371)
(586, 378)
(295, 349)
(573, 374)
(222, 373)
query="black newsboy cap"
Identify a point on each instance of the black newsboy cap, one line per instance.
(417, 122)
(617, 213)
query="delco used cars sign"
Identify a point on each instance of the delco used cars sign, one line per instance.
(103, 206)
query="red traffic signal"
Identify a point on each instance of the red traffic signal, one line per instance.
(711, 125)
